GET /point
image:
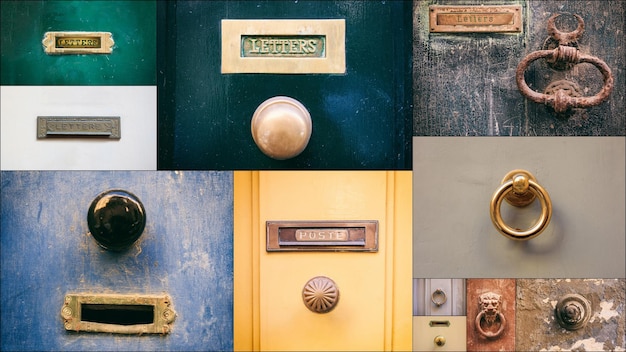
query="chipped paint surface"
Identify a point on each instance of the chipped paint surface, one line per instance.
(537, 326)
(185, 251)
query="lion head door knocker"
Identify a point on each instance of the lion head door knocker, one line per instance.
(490, 321)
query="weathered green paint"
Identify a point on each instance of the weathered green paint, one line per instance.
(132, 24)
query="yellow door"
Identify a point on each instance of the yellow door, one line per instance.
(373, 311)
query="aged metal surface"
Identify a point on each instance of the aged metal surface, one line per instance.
(572, 311)
(60, 43)
(160, 306)
(491, 315)
(464, 85)
(322, 236)
(320, 294)
(565, 56)
(284, 46)
(490, 322)
(538, 328)
(65, 126)
(475, 18)
(519, 188)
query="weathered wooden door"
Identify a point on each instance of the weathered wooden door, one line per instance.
(360, 116)
(185, 252)
(372, 302)
(465, 82)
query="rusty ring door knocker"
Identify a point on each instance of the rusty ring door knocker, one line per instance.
(519, 188)
(489, 304)
(564, 54)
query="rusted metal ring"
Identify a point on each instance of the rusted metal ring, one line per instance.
(565, 37)
(560, 101)
(488, 334)
(438, 297)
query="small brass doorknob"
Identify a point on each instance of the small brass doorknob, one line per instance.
(116, 219)
(440, 340)
(320, 294)
(281, 127)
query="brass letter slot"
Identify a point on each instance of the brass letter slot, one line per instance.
(284, 46)
(471, 19)
(322, 236)
(65, 126)
(59, 43)
(121, 314)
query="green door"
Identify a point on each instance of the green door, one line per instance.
(132, 25)
(361, 119)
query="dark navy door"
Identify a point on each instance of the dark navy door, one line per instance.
(184, 251)
(361, 119)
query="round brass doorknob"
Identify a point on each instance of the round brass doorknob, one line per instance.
(440, 340)
(281, 127)
(320, 294)
(116, 219)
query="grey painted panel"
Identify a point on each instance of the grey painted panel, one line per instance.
(185, 251)
(454, 179)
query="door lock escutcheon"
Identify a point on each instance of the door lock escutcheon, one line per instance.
(116, 219)
(573, 311)
(564, 55)
(519, 188)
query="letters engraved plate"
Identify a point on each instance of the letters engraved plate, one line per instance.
(66, 126)
(322, 236)
(60, 43)
(472, 19)
(284, 46)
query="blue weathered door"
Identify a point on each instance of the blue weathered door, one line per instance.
(185, 251)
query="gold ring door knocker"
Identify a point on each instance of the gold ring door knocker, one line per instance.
(519, 188)
(438, 297)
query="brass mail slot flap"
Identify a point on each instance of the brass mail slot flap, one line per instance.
(59, 43)
(284, 46)
(322, 236)
(118, 313)
(66, 126)
(471, 19)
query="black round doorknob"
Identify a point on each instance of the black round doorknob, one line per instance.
(116, 219)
